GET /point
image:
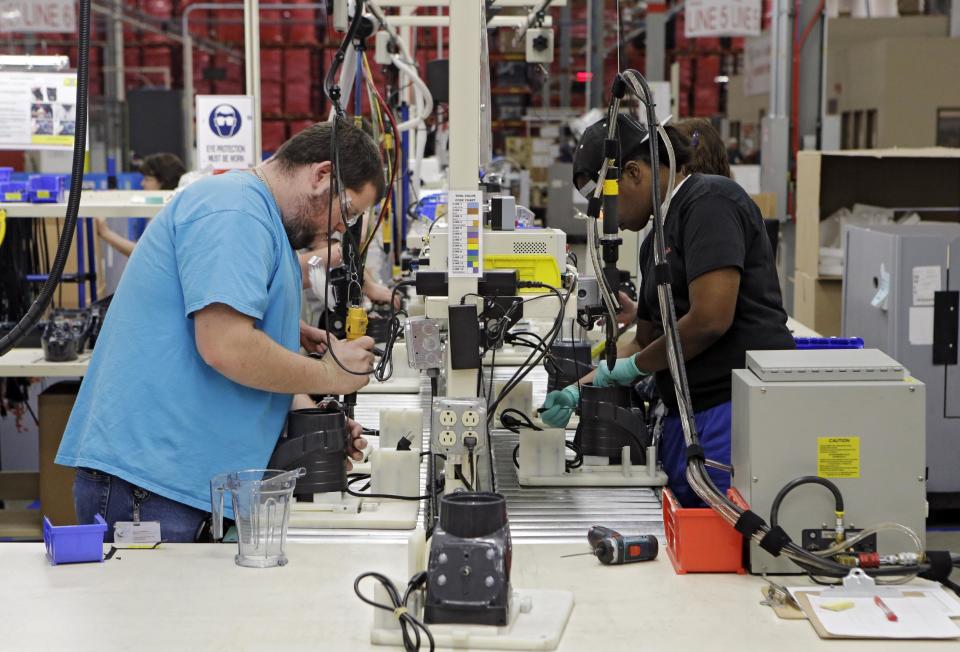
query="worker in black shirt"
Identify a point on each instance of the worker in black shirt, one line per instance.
(725, 288)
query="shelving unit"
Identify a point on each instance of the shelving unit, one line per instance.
(890, 178)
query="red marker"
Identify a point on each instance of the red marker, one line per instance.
(892, 617)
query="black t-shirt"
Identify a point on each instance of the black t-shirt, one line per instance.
(712, 224)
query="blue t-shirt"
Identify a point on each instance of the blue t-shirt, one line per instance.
(150, 410)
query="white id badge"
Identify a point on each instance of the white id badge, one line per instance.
(144, 533)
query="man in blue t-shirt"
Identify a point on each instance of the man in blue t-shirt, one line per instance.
(198, 360)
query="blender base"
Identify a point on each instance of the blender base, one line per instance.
(537, 620)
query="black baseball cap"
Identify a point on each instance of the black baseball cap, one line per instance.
(588, 157)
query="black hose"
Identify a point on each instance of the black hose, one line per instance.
(42, 302)
(793, 484)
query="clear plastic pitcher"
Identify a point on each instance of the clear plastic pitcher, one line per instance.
(261, 500)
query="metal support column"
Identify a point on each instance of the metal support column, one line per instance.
(251, 52)
(656, 42)
(597, 30)
(565, 37)
(775, 138)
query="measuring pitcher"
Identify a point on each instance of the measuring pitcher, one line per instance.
(261, 500)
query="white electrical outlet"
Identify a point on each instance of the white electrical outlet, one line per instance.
(448, 438)
(453, 420)
(448, 418)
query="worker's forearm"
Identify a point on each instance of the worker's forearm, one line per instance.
(254, 360)
(693, 339)
(119, 243)
(302, 402)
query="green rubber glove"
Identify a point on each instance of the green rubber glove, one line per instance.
(559, 406)
(625, 372)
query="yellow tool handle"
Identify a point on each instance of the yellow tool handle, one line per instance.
(356, 322)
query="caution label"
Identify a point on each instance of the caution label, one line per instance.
(838, 457)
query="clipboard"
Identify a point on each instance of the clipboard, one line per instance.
(810, 614)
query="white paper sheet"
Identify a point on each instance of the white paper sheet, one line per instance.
(926, 281)
(935, 592)
(921, 326)
(916, 618)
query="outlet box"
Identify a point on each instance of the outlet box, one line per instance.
(422, 337)
(456, 418)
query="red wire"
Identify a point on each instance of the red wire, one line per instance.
(393, 172)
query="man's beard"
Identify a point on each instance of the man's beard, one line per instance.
(301, 227)
(300, 233)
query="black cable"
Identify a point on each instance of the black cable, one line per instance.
(357, 477)
(410, 626)
(529, 363)
(41, 303)
(793, 484)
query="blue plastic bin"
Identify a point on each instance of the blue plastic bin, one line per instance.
(129, 181)
(5, 174)
(45, 188)
(829, 342)
(74, 544)
(13, 191)
(428, 205)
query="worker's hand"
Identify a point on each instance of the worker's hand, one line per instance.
(355, 355)
(313, 339)
(625, 372)
(628, 310)
(379, 293)
(559, 406)
(102, 227)
(355, 443)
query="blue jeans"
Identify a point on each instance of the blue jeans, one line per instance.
(95, 492)
(713, 426)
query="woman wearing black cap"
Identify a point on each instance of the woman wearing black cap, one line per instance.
(725, 288)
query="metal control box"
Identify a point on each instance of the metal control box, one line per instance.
(867, 436)
(894, 280)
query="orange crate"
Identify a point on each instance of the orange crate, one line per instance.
(699, 540)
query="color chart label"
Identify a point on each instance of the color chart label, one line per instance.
(466, 233)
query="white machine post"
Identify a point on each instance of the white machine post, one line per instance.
(465, 26)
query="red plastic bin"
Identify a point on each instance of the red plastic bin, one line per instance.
(699, 540)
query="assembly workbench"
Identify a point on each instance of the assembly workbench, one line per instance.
(192, 596)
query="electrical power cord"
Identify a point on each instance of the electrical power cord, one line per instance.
(383, 370)
(354, 478)
(521, 420)
(42, 302)
(410, 626)
(529, 364)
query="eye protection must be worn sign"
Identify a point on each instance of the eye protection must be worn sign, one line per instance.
(225, 132)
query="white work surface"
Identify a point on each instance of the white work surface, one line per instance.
(29, 363)
(97, 203)
(193, 597)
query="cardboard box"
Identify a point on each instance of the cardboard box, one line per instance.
(767, 202)
(519, 149)
(56, 482)
(817, 303)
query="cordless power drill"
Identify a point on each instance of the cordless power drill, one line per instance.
(612, 548)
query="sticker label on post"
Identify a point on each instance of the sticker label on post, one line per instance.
(465, 233)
